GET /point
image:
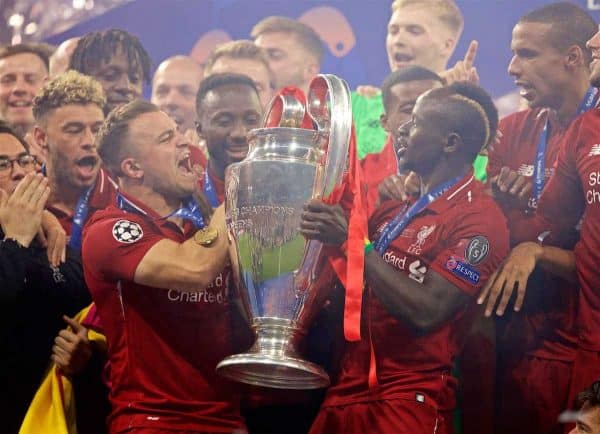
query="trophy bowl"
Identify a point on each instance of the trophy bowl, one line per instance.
(283, 278)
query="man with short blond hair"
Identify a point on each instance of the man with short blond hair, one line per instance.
(243, 57)
(423, 33)
(294, 50)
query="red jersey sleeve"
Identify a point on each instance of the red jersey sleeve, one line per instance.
(475, 247)
(114, 247)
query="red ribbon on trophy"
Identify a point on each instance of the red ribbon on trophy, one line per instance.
(350, 195)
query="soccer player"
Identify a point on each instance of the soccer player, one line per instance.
(427, 261)
(156, 270)
(571, 197)
(550, 64)
(174, 88)
(294, 50)
(228, 107)
(119, 62)
(246, 58)
(419, 32)
(68, 113)
(400, 91)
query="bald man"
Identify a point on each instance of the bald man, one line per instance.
(59, 61)
(174, 87)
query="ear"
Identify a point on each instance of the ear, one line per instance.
(383, 120)
(454, 142)
(574, 57)
(40, 137)
(448, 47)
(130, 168)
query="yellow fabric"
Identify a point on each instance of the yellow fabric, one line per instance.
(53, 412)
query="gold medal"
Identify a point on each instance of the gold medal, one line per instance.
(205, 237)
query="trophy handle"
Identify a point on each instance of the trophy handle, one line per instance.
(329, 105)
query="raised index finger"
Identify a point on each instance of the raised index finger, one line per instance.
(470, 55)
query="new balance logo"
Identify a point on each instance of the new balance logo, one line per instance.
(594, 151)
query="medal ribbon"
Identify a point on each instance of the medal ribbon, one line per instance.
(539, 170)
(189, 211)
(79, 217)
(394, 228)
(209, 191)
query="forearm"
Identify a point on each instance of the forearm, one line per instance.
(558, 262)
(421, 306)
(186, 267)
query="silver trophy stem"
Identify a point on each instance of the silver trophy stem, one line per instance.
(273, 360)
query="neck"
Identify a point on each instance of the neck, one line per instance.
(63, 197)
(444, 172)
(215, 169)
(158, 202)
(572, 100)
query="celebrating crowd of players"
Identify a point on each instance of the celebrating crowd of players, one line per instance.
(481, 305)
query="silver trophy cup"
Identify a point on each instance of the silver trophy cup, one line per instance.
(283, 278)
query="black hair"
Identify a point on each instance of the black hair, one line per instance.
(405, 75)
(590, 396)
(112, 136)
(41, 50)
(570, 25)
(469, 111)
(215, 81)
(6, 128)
(96, 48)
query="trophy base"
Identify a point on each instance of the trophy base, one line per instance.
(273, 360)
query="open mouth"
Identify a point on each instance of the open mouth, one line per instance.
(20, 104)
(87, 166)
(526, 90)
(184, 166)
(402, 58)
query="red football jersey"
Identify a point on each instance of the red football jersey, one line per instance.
(551, 303)
(376, 168)
(103, 194)
(462, 236)
(574, 191)
(163, 345)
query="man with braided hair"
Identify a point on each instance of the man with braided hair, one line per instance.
(427, 261)
(117, 60)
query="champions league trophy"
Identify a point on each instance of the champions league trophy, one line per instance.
(283, 278)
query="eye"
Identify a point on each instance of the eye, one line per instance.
(415, 30)
(73, 129)
(4, 163)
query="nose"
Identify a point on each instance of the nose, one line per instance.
(593, 42)
(88, 141)
(514, 67)
(181, 141)
(239, 131)
(22, 87)
(17, 172)
(127, 88)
